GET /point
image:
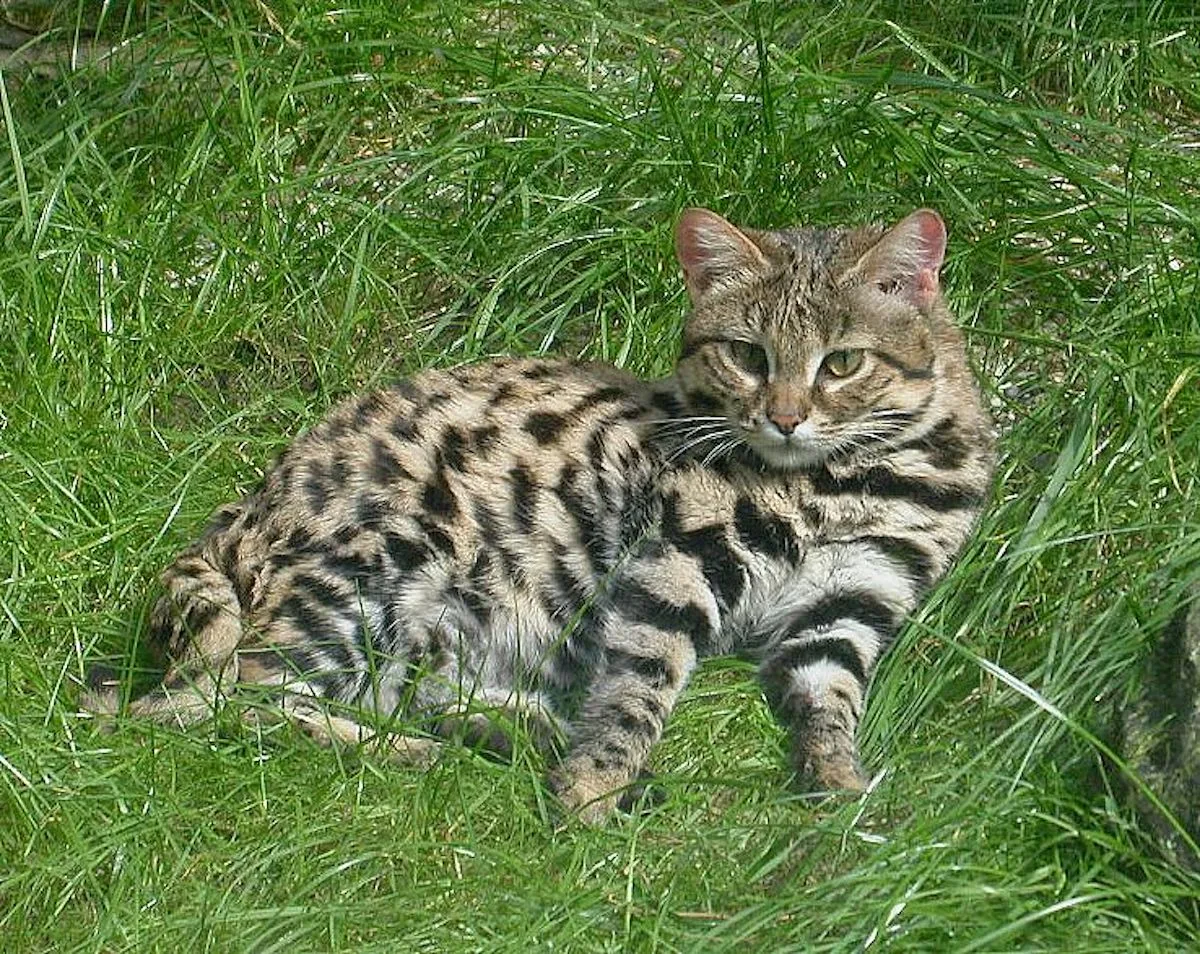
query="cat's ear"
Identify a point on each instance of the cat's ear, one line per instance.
(712, 251)
(906, 261)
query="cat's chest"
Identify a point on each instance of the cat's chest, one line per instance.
(760, 546)
(775, 518)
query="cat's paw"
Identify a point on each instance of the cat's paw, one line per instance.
(590, 795)
(641, 795)
(841, 774)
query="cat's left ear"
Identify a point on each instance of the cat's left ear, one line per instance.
(712, 250)
(906, 261)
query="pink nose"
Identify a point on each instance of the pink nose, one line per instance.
(785, 423)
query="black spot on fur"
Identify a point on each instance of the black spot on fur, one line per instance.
(546, 427)
(504, 393)
(437, 499)
(635, 723)
(407, 390)
(304, 615)
(352, 566)
(335, 427)
(404, 429)
(668, 403)
(764, 532)
(639, 605)
(200, 614)
(453, 449)
(940, 496)
(367, 411)
(321, 591)
(582, 513)
(489, 528)
(475, 600)
(917, 563)
(595, 451)
(295, 660)
(524, 497)
(704, 402)
(340, 470)
(386, 468)
(572, 588)
(612, 755)
(858, 606)
(405, 555)
(484, 439)
(649, 669)
(945, 445)
(222, 520)
(537, 372)
(438, 538)
(317, 490)
(370, 511)
(797, 655)
(602, 395)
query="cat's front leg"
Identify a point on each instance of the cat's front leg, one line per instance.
(651, 621)
(815, 672)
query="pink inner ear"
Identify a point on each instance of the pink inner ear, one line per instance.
(689, 247)
(708, 248)
(932, 232)
(909, 257)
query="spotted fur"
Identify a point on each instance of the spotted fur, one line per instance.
(554, 544)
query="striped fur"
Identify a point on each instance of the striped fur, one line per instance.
(554, 545)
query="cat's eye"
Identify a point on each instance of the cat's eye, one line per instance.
(842, 364)
(750, 357)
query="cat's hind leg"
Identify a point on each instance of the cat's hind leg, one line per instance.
(490, 719)
(332, 730)
(275, 690)
(195, 629)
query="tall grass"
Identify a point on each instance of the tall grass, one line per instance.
(251, 210)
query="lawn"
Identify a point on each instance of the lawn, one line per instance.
(251, 210)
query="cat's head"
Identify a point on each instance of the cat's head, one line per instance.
(810, 344)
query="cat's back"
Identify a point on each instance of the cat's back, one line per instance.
(429, 443)
(539, 469)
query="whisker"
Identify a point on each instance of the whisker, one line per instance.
(700, 419)
(723, 449)
(693, 442)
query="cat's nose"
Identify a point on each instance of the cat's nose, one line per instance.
(785, 423)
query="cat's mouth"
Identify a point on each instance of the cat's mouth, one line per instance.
(800, 449)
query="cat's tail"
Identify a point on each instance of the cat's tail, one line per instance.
(196, 627)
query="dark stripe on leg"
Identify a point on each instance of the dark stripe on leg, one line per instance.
(858, 606)
(639, 605)
(836, 649)
(650, 669)
(917, 562)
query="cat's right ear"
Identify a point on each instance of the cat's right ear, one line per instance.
(713, 251)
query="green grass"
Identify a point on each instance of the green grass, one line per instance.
(245, 217)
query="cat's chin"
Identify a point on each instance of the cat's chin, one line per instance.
(790, 455)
